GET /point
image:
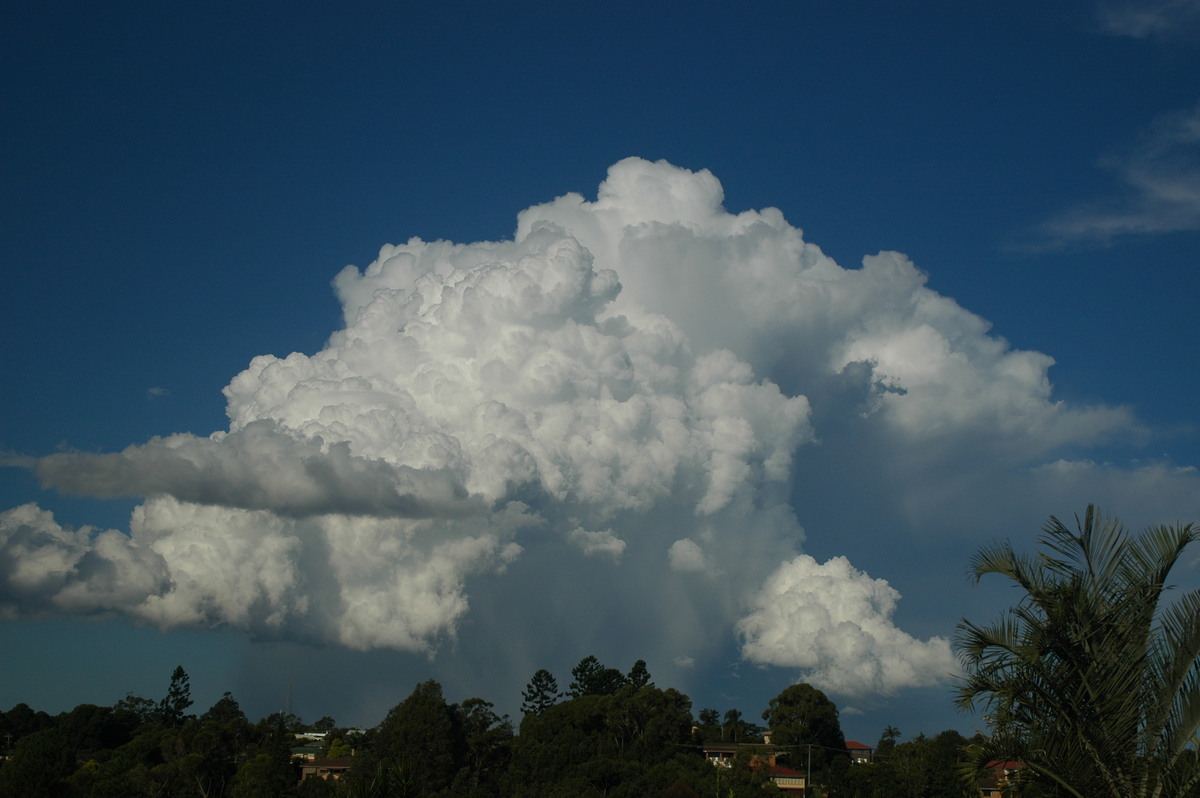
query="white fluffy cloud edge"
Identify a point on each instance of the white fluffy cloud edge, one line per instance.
(630, 376)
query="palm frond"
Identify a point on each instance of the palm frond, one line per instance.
(1088, 679)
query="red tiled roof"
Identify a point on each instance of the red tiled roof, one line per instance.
(854, 744)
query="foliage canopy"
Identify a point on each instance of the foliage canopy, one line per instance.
(1091, 681)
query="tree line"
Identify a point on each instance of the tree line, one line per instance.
(610, 733)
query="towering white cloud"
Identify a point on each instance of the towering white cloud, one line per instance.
(750, 283)
(625, 393)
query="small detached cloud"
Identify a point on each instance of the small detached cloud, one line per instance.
(685, 555)
(602, 542)
(834, 623)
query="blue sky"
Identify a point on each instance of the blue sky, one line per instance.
(183, 183)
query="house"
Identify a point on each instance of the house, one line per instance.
(308, 750)
(324, 768)
(860, 754)
(995, 784)
(724, 753)
(791, 782)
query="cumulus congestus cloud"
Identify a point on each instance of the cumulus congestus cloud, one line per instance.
(627, 378)
(834, 623)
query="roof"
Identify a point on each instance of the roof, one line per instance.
(733, 748)
(331, 764)
(855, 745)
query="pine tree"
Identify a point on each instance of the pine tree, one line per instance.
(178, 698)
(639, 675)
(540, 694)
(590, 677)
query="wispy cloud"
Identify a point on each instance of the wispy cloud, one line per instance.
(1160, 191)
(1149, 18)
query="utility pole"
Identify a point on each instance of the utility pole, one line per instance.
(808, 771)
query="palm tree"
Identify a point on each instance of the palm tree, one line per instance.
(734, 725)
(1091, 681)
(887, 742)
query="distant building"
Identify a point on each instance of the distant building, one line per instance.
(791, 782)
(860, 754)
(999, 779)
(723, 754)
(308, 751)
(324, 768)
(310, 736)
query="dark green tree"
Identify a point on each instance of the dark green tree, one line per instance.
(420, 744)
(263, 776)
(628, 743)
(40, 765)
(226, 710)
(338, 748)
(874, 779)
(540, 694)
(144, 710)
(1090, 680)
(267, 761)
(744, 778)
(20, 721)
(804, 722)
(289, 720)
(172, 708)
(887, 742)
(488, 738)
(317, 788)
(639, 675)
(590, 677)
(138, 767)
(733, 729)
(709, 725)
(220, 739)
(93, 731)
(927, 767)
